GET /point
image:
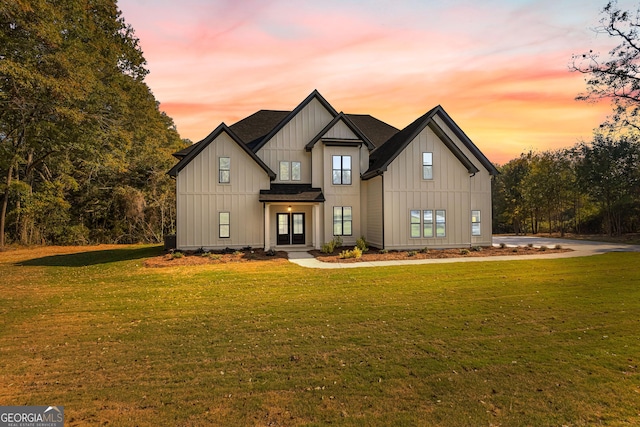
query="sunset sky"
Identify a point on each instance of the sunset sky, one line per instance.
(498, 67)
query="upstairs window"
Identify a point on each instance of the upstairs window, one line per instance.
(224, 169)
(475, 223)
(341, 170)
(427, 165)
(290, 171)
(284, 171)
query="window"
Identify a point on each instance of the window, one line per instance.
(342, 221)
(295, 171)
(475, 223)
(427, 165)
(224, 225)
(342, 170)
(284, 171)
(415, 223)
(290, 171)
(224, 170)
(441, 223)
(427, 223)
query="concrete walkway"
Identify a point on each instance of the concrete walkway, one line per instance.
(580, 248)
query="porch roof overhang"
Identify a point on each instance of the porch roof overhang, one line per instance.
(291, 193)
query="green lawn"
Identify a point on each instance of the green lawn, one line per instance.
(523, 343)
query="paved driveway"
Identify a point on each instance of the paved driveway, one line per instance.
(580, 248)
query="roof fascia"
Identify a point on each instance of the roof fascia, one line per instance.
(332, 123)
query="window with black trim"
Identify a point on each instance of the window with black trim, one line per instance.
(342, 221)
(224, 169)
(341, 170)
(427, 165)
(224, 224)
(475, 223)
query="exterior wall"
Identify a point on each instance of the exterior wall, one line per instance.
(373, 211)
(450, 189)
(341, 195)
(200, 198)
(288, 144)
(340, 131)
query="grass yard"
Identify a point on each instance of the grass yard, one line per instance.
(522, 343)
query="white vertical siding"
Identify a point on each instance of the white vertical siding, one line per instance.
(450, 189)
(340, 131)
(201, 198)
(288, 144)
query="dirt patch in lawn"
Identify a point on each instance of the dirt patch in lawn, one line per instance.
(214, 257)
(374, 254)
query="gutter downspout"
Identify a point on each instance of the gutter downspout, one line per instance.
(382, 178)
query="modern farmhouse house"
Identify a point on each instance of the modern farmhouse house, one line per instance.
(301, 177)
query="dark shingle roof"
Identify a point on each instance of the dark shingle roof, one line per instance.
(254, 128)
(291, 193)
(376, 130)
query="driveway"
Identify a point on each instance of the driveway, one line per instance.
(580, 248)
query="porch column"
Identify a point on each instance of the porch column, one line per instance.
(316, 227)
(267, 227)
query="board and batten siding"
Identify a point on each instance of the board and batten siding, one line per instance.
(451, 189)
(200, 198)
(288, 143)
(373, 211)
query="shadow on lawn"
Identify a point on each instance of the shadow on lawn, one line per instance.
(83, 259)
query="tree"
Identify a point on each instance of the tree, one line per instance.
(617, 75)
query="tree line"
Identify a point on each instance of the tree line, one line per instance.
(590, 188)
(84, 147)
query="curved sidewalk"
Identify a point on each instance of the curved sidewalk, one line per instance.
(580, 248)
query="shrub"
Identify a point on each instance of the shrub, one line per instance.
(215, 256)
(331, 245)
(530, 245)
(354, 253)
(238, 252)
(361, 244)
(424, 250)
(177, 255)
(503, 245)
(270, 252)
(476, 248)
(412, 253)
(464, 251)
(558, 246)
(383, 251)
(543, 248)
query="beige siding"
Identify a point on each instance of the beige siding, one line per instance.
(288, 144)
(201, 198)
(374, 211)
(342, 195)
(340, 131)
(451, 189)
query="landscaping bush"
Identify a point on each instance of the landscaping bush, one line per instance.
(464, 251)
(412, 253)
(354, 253)
(424, 250)
(361, 244)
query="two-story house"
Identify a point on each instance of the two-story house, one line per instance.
(301, 177)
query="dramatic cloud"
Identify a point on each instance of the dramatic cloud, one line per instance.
(498, 67)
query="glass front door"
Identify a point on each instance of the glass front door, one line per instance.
(291, 228)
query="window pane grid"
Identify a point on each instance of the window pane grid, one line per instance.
(342, 221)
(224, 224)
(475, 223)
(427, 165)
(295, 171)
(224, 169)
(341, 172)
(427, 221)
(441, 223)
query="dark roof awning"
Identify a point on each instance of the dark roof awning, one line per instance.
(291, 193)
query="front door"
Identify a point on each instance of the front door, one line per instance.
(290, 228)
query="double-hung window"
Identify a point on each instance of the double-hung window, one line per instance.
(427, 223)
(421, 223)
(341, 170)
(441, 223)
(415, 223)
(224, 170)
(342, 221)
(224, 224)
(290, 171)
(475, 223)
(427, 165)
